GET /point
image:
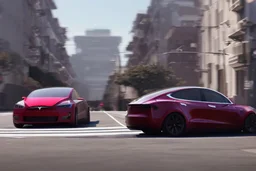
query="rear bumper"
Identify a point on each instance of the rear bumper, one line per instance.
(43, 117)
(139, 122)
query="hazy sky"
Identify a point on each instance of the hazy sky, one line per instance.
(117, 15)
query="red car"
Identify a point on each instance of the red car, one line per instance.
(50, 106)
(179, 110)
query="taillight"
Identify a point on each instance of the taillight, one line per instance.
(141, 109)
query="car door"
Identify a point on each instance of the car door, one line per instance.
(221, 112)
(190, 101)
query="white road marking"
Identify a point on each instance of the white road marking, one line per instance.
(20, 133)
(114, 119)
(62, 129)
(68, 135)
(60, 132)
(250, 150)
(6, 114)
(122, 113)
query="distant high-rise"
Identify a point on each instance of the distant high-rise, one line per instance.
(94, 60)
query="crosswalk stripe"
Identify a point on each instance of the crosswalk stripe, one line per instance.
(72, 132)
(67, 135)
(61, 132)
(62, 129)
(5, 114)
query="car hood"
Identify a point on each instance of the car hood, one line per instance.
(43, 101)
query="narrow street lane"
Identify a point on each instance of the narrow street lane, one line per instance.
(126, 154)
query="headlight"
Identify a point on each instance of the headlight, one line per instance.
(65, 104)
(19, 105)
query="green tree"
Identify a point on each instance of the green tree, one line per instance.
(148, 78)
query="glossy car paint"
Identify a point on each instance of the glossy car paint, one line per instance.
(41, 107)
(199, 115)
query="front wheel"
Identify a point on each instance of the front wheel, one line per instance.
(88, 118)
(75, 122)
(18, 125)
(174, 125)
(250, 124)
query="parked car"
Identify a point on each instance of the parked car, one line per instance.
(51, 106)
(180, 110)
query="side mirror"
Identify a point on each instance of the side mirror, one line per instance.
(23, 97)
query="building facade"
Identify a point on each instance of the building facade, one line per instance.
(168, 26)
(32, 49)
(228, 28)
(95, 60)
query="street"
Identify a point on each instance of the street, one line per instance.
(102, 124)
(107, 145)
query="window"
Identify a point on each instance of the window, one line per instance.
(50, 92)
(211, 96)
(188, 94)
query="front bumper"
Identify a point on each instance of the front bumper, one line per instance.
(25, 116)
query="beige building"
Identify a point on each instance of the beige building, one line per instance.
(225, 35)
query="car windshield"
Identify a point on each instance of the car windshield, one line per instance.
(50, 92)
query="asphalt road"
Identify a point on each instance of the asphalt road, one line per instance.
(121, 152)
(98, 119)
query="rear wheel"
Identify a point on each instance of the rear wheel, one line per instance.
(250, 124)
(18, 125)
(174, 125)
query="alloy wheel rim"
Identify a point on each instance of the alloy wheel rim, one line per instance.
(175, 124)
(250, 123)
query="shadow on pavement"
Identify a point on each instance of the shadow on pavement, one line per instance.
(91, 124)
(200, 135)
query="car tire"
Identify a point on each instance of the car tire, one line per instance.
(250, 124)
(88, 120)
(75, 123)
(18, 125)
(174, 125)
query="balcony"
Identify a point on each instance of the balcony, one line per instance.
(48, 4)
(139, 33)
(238, 51)
(237, 32)
(237, 5)
(34, 55)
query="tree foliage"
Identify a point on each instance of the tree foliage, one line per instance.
(148, 78)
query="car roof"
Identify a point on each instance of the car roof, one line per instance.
(59, 88)
(155, 94)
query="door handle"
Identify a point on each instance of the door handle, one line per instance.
(212, 106)
(183, 104)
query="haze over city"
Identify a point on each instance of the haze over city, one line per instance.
(127, 85)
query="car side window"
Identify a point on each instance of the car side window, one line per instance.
(211, 96)
(188, 94)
